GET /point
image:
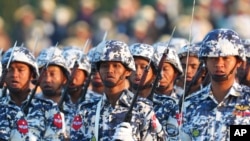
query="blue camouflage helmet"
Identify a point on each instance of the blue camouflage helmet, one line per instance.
(246, 43)
(171, 58)
(52, 56)
(72, 54)
(21, 54)
(191, 49)
(222, 42)
(93, 57)
(142, 50)
(113, 50)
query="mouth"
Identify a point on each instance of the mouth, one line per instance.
(219, 73)
(189, 78)
(14, 83)
(137, 80)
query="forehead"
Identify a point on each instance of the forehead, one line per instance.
(141, 60)
(111, 63)
(192, 59)
(18, 64)
(54, 68)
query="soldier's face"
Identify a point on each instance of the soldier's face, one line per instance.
(136, 76)
(168, 76)
(78, 79)
(52, 81)
(96, 80)
(18, 77)
(113, 74)
(192, 66)
(222, 65)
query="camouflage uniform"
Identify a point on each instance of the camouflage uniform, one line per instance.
(143, 115)
(166, 107)
(53, 56)
(72, 54)
(41, 122)
(206, 119)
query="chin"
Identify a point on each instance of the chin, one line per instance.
(109, 84)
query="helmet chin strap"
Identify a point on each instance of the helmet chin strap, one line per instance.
(220, 78)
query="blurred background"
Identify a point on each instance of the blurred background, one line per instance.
(43, 23)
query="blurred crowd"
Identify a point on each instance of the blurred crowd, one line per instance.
(130, 21)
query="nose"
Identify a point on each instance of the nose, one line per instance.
(219, 62)
(138, 71)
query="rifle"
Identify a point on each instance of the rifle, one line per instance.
(63, 96)
(160, 65)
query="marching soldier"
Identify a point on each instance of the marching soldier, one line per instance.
(209, 112)
(104, 119)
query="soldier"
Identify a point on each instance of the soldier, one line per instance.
(104, 119)
(75, 88)
(209, 113)
(243, 73)
(191, 68)
(143, 55)
(165, 98)
(21, 120)
(55, 74)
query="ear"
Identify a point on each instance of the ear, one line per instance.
(127, 73)
(239, 63)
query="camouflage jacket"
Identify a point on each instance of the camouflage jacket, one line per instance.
(207, 120)
(41, 123)
(142, 121)
(166, 109)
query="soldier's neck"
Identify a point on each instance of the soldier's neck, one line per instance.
(220, 89)
(98, 90)
(19, 97)
(113, 94)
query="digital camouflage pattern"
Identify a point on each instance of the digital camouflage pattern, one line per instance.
(52, 56)
(72, 54)
(171, 58)
(206, 120)
(70, 109)
(113, 50)
(246, 44)
(20, 54)
(41, 123)
(142, 50)
(166, 109)
(190, 49)
(222, 42)
(142, 121)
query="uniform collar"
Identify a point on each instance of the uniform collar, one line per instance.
(125, 98)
